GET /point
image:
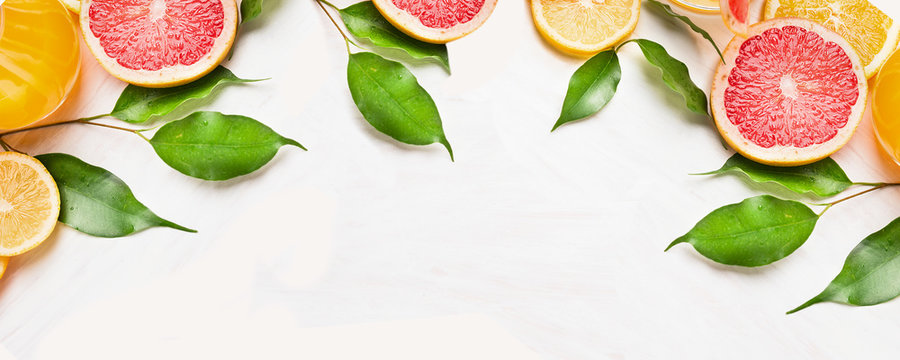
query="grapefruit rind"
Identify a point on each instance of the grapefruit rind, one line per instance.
(49, 223)
(413, 26)
(168, 76)
(770, 8)
(579, 48)
(731, 20)
(779, 155)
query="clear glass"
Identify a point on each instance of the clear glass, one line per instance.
(701, 6)
(40, 58)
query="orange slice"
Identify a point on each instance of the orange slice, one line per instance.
(585, 27)
(29, 203)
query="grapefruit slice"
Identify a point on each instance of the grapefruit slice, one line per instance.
(436, 21)
(29, 203)
(159, 43)
(585, 27)
(736, 14)
(789, 94)
(872, 33)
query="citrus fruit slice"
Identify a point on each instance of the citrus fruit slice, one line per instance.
(871, 32)
(886, 106)
(736, 14)
(73, 5)
(29, 203)
(4, 262)
(585, 27)
(791, 93)
(159, 43)
(436, 21)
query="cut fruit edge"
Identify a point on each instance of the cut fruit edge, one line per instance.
(73, 5)
(412, 25)
(872, 68)
(784, 155)
(168, 76)
(50, 224)
(731, 20)
(4, 262)
(575, 47)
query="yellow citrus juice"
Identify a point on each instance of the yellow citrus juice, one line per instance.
(703, 6)
(39, 59)
(886, 106)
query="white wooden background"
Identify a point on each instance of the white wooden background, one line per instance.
(531, 245)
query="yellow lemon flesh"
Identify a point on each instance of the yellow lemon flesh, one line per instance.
(870, 31)
(29, 203)
(585, 27)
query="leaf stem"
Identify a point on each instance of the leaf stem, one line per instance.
(875, 186)
(336, 26)
(85, 120)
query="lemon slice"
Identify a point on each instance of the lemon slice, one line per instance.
(4, 261)
(73, 5)
(585, 27)
(871, 32)
(29, 203)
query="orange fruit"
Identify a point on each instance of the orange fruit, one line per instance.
(73, 5)
(436, 21)
(585, 27)
(159, 43)
(791, 93)
(29, 203)
(871, 32)
(4, 262)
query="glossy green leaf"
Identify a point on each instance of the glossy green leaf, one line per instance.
(824, 177)
(96, 202)
(755, 232)
(391, 99)
(138, 104)
(591, 87)
(675, 74)
(364, 21)
(250, 9)
(214, 146)
(871, 273)
(667, 10)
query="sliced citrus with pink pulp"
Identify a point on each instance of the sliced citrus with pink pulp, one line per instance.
(791, 93)
(736, 14)
(159, 43)
(436, 21)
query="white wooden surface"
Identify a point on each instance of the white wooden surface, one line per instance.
(531, 245)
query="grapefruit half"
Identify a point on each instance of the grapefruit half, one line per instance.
(159, 43)
(789, 94)
(436, 21)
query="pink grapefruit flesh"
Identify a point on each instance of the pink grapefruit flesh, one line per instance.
(736, 13)
(790, 93)
(159, 43)
(436, 21)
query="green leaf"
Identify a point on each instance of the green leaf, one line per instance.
(391, 99)
(667, 10)
(755, 232)
(675, 74)
(250, 9)
(363, 20)
(823, 178)
(96, 202)
(214, 146)
(871, 273)
(591, 87)
(137, 104)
